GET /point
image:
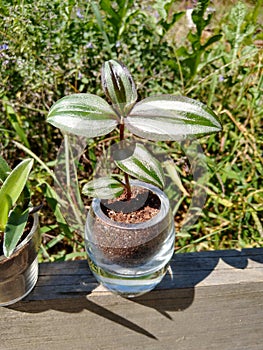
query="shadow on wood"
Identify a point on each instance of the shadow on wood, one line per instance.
(192, 269)
(205, 297)
(73, 280)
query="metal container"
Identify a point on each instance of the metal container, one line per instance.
(19, 272)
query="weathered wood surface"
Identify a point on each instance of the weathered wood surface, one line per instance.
(208, 300)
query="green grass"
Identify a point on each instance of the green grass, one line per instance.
(51, 49)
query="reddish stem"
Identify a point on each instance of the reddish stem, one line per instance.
(126, 176)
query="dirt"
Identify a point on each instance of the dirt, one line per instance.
(142, 206)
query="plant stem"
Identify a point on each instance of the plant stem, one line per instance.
(126, 176)
(67, 161)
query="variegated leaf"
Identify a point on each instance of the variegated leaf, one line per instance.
(103, 188)
(143, 166)
(119, 86)
(166, 117)
(83, 114)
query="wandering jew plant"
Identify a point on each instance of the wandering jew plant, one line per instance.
(157, 118)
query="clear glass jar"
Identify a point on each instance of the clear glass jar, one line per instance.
(19, 272)
(130, 259)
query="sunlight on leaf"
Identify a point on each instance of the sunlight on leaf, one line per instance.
(14, 229)
(167, 117)
(143, 166)
(12, 188)
(103, 188)
(83, 114)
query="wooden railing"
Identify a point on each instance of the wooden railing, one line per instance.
(208, 300)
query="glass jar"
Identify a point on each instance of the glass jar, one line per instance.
(130, 259)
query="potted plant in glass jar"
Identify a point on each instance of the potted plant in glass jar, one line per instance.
(129, 231)
(19, 234)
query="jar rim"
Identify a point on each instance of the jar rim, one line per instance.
(164, 209)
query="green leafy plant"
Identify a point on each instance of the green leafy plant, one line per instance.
(14, 203)
(191, 59)
(163, 19)
(117, 16)
(156, 118)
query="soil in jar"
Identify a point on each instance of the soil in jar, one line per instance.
(129, 247)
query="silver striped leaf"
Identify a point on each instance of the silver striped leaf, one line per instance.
(83, 114)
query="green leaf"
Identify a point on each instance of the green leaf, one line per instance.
(143, 166)
(53, 201)
(238, 13)
(172, 172)
(198, 15)
(168, 25)
(14, 229)
(4, 169)
(119, 86)
(83, 114)
(103, 187)
(12, 188)
(167, 117)
(15, 121)
(106, 6)
(212, 40)
(98, 17)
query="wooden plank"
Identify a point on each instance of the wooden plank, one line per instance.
(209, 300)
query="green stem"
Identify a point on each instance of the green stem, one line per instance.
(67, 161)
